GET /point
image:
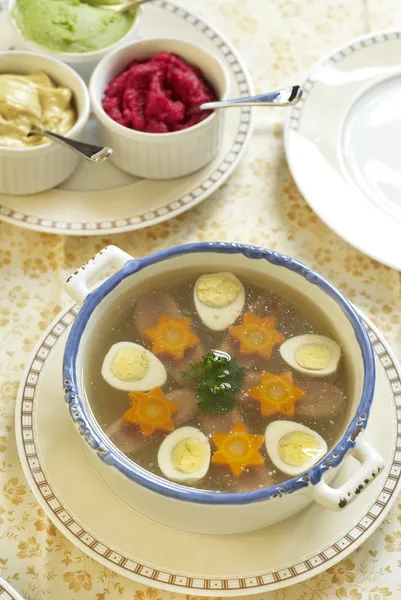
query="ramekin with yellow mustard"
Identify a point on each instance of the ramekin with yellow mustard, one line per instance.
(38, 91)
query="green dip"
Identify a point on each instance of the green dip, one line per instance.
(70, 25)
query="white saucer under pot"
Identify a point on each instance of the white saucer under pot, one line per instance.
(65, 484)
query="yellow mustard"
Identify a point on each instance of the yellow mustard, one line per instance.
(32, 100)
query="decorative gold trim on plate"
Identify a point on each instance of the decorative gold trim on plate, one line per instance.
(125, 564)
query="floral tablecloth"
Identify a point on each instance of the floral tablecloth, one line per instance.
(260, 204)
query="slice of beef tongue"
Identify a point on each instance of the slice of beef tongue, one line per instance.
(175, 368)
(231, 347)
(254, 479)
(251, 379)
(211, 424)
(188, 405)
(321, 401)
(149, 308)
(127, 437)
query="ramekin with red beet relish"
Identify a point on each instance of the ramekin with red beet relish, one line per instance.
(158, 95)
(146, 95)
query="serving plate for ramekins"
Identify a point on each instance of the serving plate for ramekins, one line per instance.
(342, 143)
(65, 484)
(101, 199)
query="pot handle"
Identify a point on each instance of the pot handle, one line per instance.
(371, 465)
(77, 285)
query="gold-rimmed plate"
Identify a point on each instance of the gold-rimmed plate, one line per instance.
(74, 497)
(7, 592)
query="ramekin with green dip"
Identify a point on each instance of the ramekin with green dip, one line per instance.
(73, 31)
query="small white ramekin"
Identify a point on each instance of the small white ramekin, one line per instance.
(82, 62)
(160, 155)
(38, 168)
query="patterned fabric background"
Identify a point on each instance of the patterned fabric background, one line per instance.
(260, 204)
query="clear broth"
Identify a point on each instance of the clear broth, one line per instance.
(109, 404)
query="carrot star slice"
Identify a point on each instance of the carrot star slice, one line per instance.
(276, 394)
(256, 335)
(172, 336)
(238, 449)
(151, 411)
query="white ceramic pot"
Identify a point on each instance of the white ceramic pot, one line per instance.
(199, 510)
(160, 155)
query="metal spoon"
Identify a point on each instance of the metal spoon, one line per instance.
(91, 152)
(121, 7)
(285, 97)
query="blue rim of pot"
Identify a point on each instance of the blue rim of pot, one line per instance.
(88, 427)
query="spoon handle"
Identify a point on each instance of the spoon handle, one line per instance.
(130, 5)
(118, 7)
(285, 97)
(89, 151)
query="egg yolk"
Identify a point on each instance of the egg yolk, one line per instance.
(217, 290)
(130, 364)
(313, 356)
(298, 448)
(189, 456)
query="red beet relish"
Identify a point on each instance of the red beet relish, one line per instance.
(158, 95)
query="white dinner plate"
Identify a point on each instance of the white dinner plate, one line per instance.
(343, 144)
(88, 513)
(101, 199)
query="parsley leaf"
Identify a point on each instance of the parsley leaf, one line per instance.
(218, 378)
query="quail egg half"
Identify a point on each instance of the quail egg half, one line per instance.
(314, 355)
(184, 455)
(292, 447)
(132, 368)
(219, 299)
